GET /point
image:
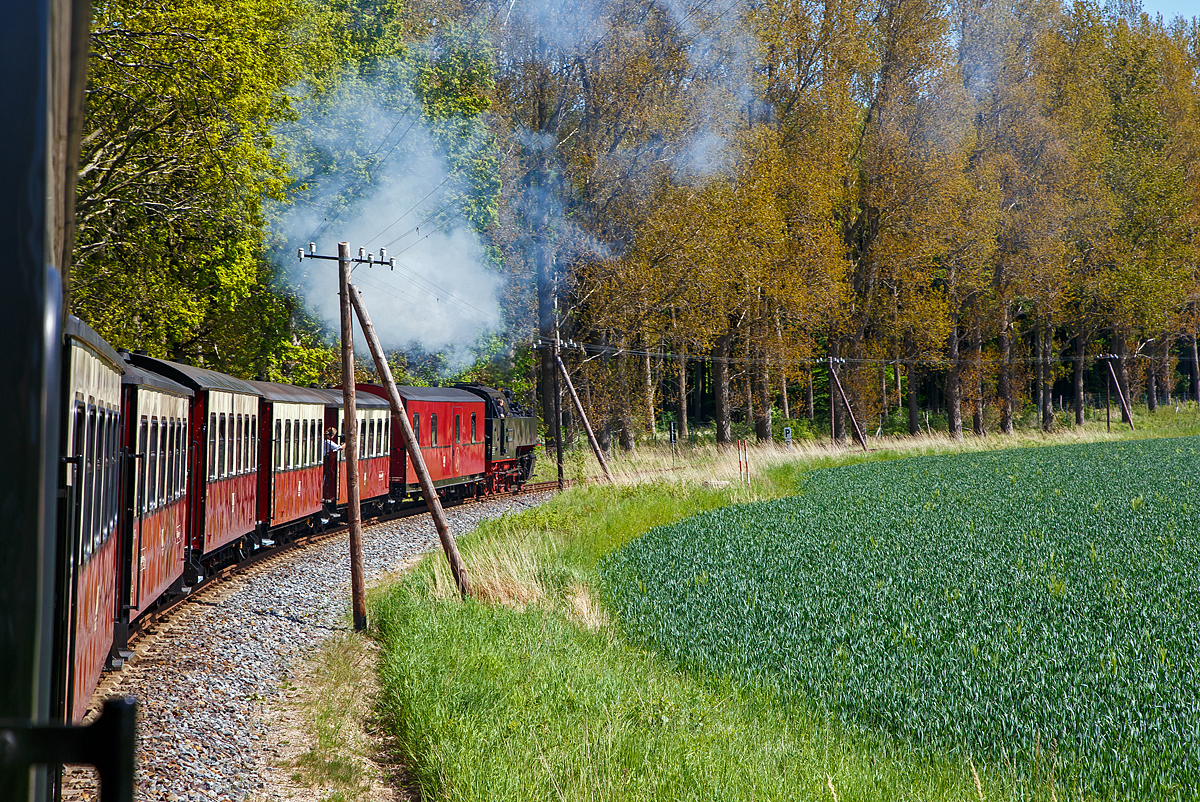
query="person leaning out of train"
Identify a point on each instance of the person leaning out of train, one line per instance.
(331, 444)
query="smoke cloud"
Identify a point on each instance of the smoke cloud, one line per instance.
(370, 172)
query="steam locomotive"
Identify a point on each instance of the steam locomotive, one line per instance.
(171, 471)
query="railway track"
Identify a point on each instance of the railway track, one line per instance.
(147, 622)
(213, 677)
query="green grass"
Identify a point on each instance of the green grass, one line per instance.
(992, 604)
(496, 702)
(528, 691)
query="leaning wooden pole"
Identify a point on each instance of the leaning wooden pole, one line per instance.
(587, 426)
(1120, 394)
(414, 450)
(854, 421)
(358, 588)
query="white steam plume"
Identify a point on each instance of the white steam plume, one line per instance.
(375, 176)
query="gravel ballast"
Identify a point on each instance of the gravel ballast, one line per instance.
(205, 681)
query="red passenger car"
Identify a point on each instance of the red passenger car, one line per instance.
(291, 450)
(223, 462)
(374, 442)
(88, 525)
(154, 523)
(449, 426)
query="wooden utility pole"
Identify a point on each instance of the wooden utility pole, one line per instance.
(350, 427)
(587, 426)
(413, 448)
(846, 401)
(558, 416)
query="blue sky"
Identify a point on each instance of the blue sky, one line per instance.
(1172, 8)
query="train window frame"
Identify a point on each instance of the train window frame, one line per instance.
(238, 444)
(296, 444)
(101, 500)
(458, 428)
(164, 462)
(171, 440)
(84, 489)
(221, 447)
(253, 443)
(287, 445)
(433, 428)
(305, 455)
(140, 471)
(230, 445)
(416, 427)
(362, 434)
(212, 445)
(80, 417)
(318, 445)
(152, 466)
(278, 443)
(473, 429)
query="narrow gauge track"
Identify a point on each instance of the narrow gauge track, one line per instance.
(145, 624)
(214, 678)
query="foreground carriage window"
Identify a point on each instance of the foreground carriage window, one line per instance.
(433, 430)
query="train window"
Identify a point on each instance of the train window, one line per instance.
(100, 502)
(169, 485)
(140, 472)
(304, 451)
(287, 444)
(230, 447)
(221, 445)
(473, 427)
(433, 430)
(278, 445)
(458, 428)
(252, 443)
(417, 429)
(173, 461)
(235, 456)
(362, 435)
(296, 444)
(212, 445)
(152, 467)
(182, 457)
(162, 462)
(314, 432)
(371, 438)
(85, 518)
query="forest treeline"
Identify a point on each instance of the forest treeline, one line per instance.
(982, 194)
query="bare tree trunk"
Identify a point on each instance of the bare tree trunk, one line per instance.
(762, 405)
(683, 394)
(1048, 375)
(896, 373)
(1006, 396)
(720, 370)
(837, 412)
(808, 394)
(977, 380)
(883, 392)
(648, 388)
(914, 416)
(1151, 381)
(1039, 369)
(1077, 379)
(954, 388)
(783, 382)
(1195, 370)
(626, 437)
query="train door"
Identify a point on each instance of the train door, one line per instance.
(333, 420)
(456, 442)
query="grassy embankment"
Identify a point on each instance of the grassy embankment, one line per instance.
(528, 691)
